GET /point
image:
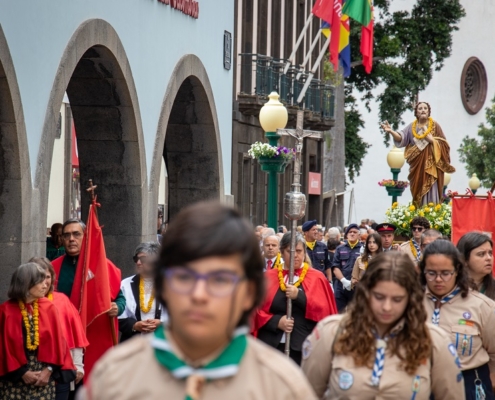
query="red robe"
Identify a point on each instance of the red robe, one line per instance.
(53, 348)
(320, 300)
(72, 327)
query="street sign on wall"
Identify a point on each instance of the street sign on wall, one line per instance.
(314, 183)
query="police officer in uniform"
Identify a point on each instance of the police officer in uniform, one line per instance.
(343, 263)
(317, 251)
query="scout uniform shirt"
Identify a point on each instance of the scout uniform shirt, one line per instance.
(337, 377)
(131, 371)
(470, 323)
(409, 249)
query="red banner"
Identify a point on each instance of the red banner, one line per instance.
(472, 214)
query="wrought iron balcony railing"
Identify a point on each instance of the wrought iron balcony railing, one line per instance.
(261, 75)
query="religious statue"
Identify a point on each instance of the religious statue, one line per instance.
(427, 153)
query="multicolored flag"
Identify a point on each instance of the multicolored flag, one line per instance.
(358, 10)
(344, 42)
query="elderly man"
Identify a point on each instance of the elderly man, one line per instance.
(343, 262)
(271, 251)
(387, 233)
(54, 243)
(317, 251)
(65, 266)
(428, 237)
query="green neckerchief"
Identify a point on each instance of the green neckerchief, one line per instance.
(224, 366)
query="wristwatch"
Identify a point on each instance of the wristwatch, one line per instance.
(49, 368)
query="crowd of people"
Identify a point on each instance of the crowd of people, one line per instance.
(205, 316)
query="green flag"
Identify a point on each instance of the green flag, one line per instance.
(358, 10)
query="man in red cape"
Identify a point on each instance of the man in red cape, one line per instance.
(92, 282)
(53, 348)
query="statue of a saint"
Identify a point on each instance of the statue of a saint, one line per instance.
(427, 153)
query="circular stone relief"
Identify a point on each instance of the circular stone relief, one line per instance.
(473, 85)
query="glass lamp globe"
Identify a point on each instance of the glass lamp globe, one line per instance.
(395, 158)
(273, 115)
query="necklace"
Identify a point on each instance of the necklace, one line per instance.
(277, 261)
(298, 283)
(29, 344)
(427, 132)
(147, 308)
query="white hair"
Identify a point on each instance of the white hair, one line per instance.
(271, 236)
(334, 233)
(267, 232)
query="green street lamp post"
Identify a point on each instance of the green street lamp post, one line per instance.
(395, 160)
(273, 116)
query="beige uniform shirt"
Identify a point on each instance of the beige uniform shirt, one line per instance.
(470, 323)
(337, 377)
(359, 268)
(406, 248)
(131, 371)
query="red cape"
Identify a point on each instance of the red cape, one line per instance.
(74, 332)
(320, 300)
(53, 348)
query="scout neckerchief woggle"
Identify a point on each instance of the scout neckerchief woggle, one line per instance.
(224, 366)
(435, 319)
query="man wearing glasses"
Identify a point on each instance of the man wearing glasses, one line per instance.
(65, 266)
(412, 247)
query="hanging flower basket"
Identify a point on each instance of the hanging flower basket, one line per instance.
(271, 158)
(394, 184)
(272, 164)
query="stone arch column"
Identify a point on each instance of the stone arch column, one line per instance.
(15, 178)
(188, 138)
(95, 73)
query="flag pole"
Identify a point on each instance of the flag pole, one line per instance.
(91, 190)
(298, 42)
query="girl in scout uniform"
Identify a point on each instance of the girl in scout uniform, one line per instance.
(466, 315)
(477, 251)
(383, 348)
(372, 247)
(210, 278)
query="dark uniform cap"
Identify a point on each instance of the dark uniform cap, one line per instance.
(351, 226)
(386, 227)
(308, 225)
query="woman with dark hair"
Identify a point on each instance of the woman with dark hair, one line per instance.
(466, 315)
(33, 351)
(210, 279)
(311, 295)
(143, 312)
(382, 347)
(74, 333)
(372, 248)
(477, 251)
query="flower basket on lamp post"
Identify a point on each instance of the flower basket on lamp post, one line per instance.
(272, 164)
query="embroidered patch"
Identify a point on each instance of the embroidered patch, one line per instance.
(466, 315)
(346, 380)
(464, 322)
(459, 377)
(306, 349)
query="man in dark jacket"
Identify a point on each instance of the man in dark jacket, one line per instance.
(343, 262)
(317, 251)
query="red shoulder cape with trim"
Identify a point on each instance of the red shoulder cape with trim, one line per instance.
(74, 332)
(53, 348)
(320, 299)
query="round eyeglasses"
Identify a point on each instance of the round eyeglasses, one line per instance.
(218, 283)
(444, 275)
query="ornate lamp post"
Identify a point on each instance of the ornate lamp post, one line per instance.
(395, 160)
(273, 116)
(474, 184)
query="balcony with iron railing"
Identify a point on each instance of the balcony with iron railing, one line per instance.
(260, 75)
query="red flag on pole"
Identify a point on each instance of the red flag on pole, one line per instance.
(472, 214)
(367, 33)
(323, 9)
(335, 35)
(96, 283)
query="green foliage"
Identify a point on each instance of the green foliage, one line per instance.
(355, 147)
(409, 47)
(478, 154)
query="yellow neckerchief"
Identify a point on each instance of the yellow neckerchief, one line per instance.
(311, 245)
(351, 245)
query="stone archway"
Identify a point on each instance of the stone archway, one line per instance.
(15, 181)
(95, 73)
(188, 139)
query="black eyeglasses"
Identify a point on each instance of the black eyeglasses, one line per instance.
(444, 275)
(218, 283)
(417, 228)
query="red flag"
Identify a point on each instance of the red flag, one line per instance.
(96, 283)
(472, 214)
(335, 35)
(367, 44)
(323, 9)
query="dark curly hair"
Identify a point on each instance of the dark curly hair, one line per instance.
(413, 343)
(421, 221)
(447, 249)
(417, 105)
